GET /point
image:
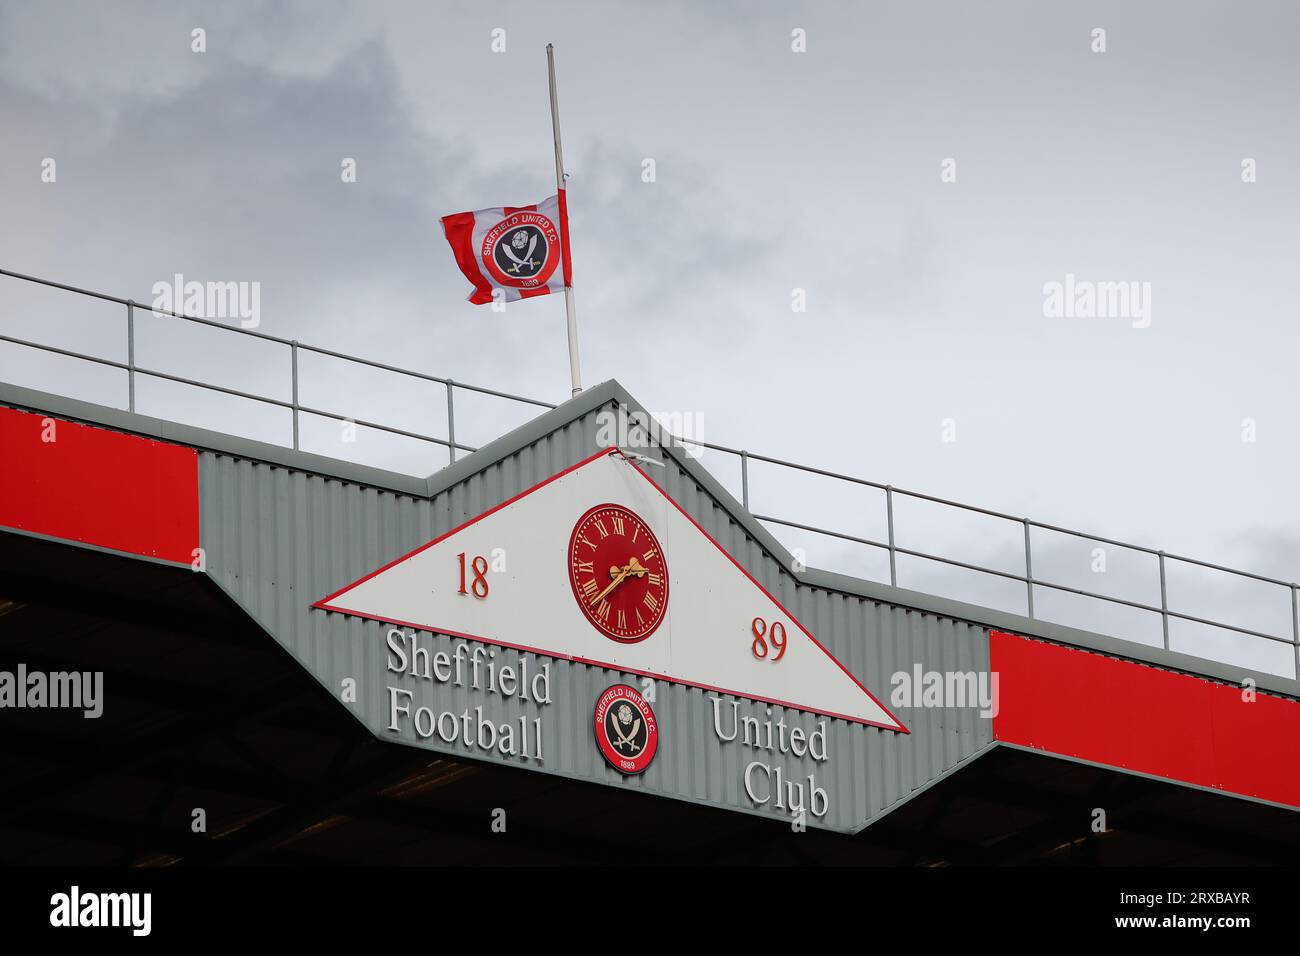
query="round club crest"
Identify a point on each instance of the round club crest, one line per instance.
(522, 250)
(626, 730)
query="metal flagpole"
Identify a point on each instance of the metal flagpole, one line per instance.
(575, 369)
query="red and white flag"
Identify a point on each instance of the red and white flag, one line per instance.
(521, 250)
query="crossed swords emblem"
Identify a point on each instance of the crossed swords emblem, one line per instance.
(527, 260)
(628, 738)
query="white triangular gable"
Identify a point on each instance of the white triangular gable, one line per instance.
(704, 639)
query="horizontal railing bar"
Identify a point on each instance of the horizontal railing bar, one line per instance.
(213, 323)
(857, 481)
(492, 391)
(141, 370)
(66, 288)
(1010, 575)
(1218, 567)
(436, 379)
(1168, 557)
(1157, 610)
(833, 534)
(148, 308)
(384, 428)
(754, 456)
(1230, 627)
(957, 504)
(1094, 537)
(301, 408)
(304, 347)
(897, 549)
(58, 351)
(1102, 597)
(1023, 579)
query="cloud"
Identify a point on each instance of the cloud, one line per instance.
(233, 174)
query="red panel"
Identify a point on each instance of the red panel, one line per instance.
(98, 487)
(1127, 715)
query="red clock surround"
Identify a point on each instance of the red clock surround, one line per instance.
(618, 573)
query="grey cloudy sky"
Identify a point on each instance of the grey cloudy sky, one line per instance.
(776, 170)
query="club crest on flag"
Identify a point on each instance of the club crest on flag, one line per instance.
(518, 250)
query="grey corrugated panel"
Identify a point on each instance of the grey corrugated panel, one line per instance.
(278, 539)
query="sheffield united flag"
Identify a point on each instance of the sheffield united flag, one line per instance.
(521, 250)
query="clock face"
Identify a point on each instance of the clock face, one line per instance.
(618, 573)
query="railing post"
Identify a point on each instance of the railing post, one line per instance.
(889, 513)
(1164, 602)
(1029, 571)
(130, 355)
(744, 478)
(1295, 629)
(451, 422)
(293, 351)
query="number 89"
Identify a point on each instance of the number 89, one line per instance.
(763, 637)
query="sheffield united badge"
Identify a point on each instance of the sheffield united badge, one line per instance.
(626, 730)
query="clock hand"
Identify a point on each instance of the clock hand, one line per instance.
(618, 579)
(620, 575)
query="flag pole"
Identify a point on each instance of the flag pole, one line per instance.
(575, 370)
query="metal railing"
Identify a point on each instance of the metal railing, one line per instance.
(1030, 582)
(745, 457)
(295, 347)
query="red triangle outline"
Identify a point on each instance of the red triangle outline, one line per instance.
(326, 604)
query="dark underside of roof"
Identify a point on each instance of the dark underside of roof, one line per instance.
(204, 710)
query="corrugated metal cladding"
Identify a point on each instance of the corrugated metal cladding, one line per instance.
(278, 539)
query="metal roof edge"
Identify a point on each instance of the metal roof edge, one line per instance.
(611, 392)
